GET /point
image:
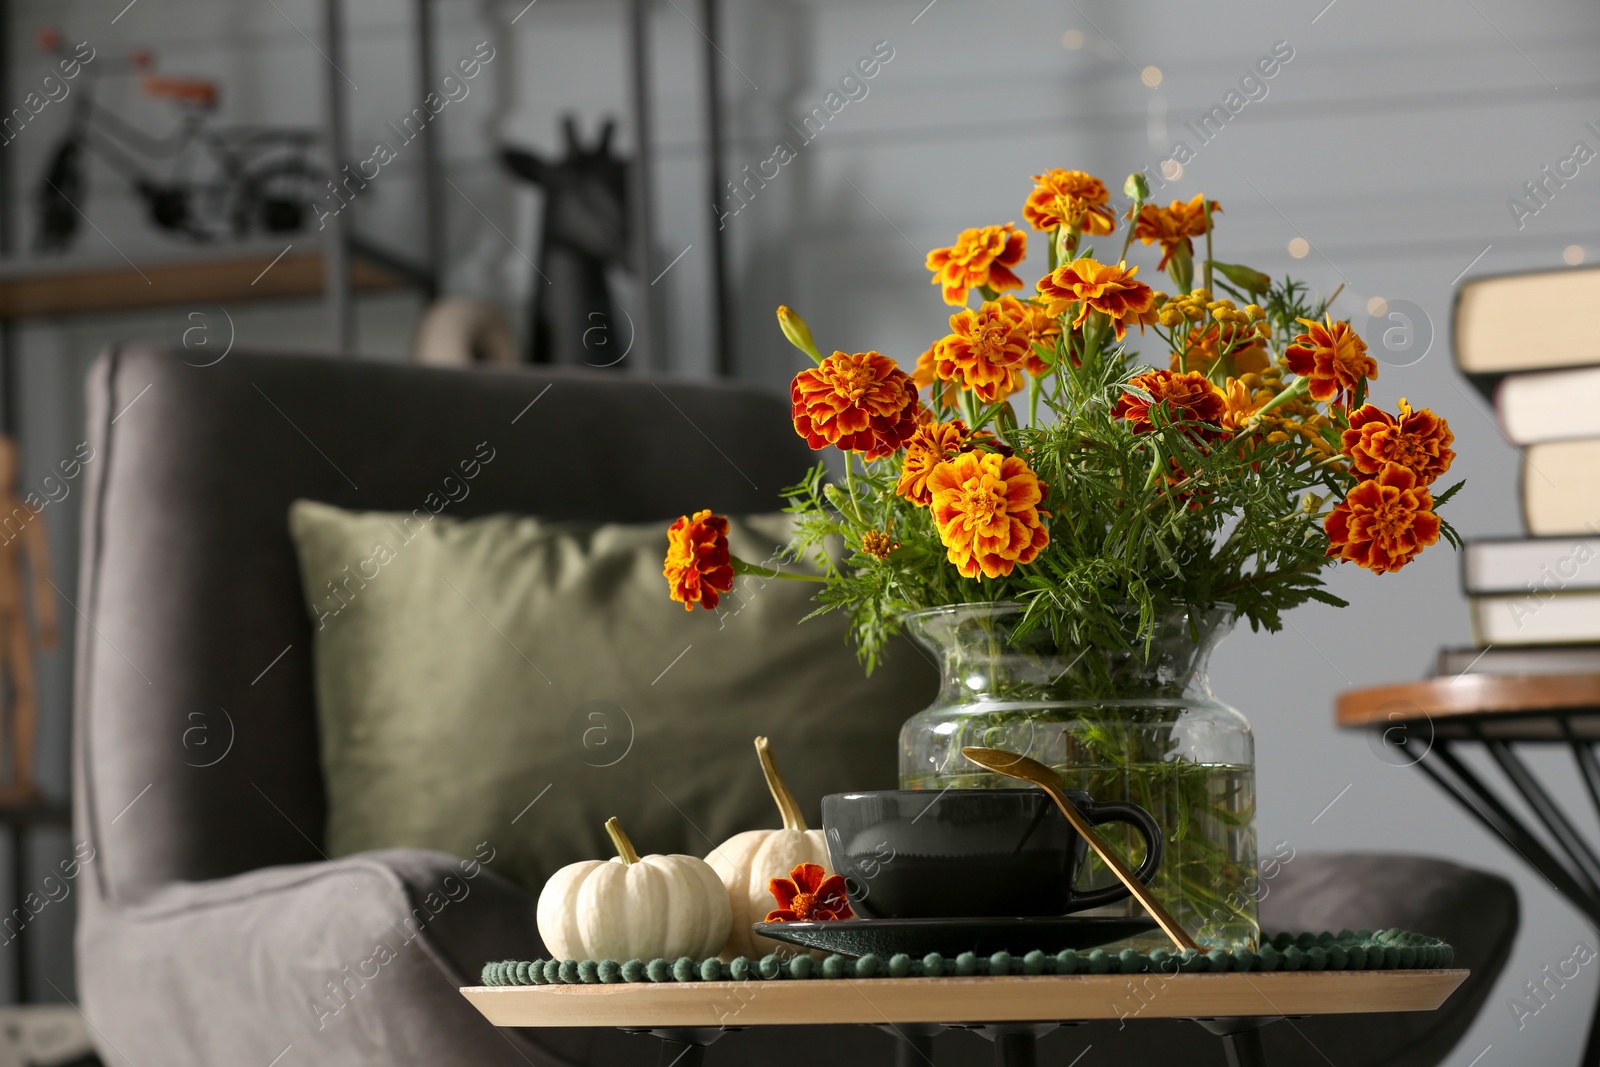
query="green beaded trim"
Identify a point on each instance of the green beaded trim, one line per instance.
(1363, 951)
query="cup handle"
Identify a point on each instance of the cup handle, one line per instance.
(1139, 819)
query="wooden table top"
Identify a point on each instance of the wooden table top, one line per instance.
(1508, 707)
(965, 1000)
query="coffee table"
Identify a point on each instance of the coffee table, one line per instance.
(1421, 723)
(1010, 1010)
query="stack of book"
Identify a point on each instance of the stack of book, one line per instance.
(1526, 341)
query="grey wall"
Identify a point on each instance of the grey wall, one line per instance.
(1391, 143)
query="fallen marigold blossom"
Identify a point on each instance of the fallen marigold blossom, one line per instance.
(698, 565)
(986, 507)
(1173, 226)
(1189, 397)
(809, 894)
(1333, 357)
(987, 350)
(1417, 440)
(1069, 198)
(861, 403)
(1383, 522)
(981, 256)
(1096, 286)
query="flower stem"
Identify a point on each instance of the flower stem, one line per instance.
(1295, 390)
(741, 567)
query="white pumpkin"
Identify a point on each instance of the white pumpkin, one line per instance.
(747, 862)
(633, 907)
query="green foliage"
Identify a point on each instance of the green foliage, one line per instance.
(1178, 515)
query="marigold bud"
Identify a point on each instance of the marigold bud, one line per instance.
(798, 333)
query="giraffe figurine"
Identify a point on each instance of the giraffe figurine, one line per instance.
(16, 643)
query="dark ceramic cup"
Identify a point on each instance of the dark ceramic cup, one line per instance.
(971, 853)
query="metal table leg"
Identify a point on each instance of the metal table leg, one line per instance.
(1241, 1039)
(683, 1046)
(1015, 1044)
(913, 1045)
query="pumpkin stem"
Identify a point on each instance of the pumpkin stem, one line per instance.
(624, 847)
(788, 807)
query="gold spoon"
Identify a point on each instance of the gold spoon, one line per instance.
(1014, 765)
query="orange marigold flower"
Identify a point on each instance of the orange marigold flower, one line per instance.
(986, 507)
(862, 403)
(1173, 226)
(979, 257)
(1069, 198)
(1332, 356)
(809, 894)
(1383, 522)
(1417, 440)
(924, 376)
(1043, 329)
(931, 445)
(1096, 286)
(698, 566)
(986, 349)
(1250, 356)
(1189, 397)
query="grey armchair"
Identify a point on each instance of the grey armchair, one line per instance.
(213, 928)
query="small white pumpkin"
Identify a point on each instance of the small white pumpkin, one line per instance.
(630, 907)
(747, 862)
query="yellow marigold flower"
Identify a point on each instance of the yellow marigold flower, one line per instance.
(986, 349)
(1096, 286)
(986, 507)
(1173, 226)
(861, 403)
(1069, 198)
(979, 257)
(1240, 404)
(1245, 351)
(878, 544)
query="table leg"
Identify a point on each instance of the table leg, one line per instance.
(1015, 1044)
(1244, 1049)
(1241, 1039)
(1016, 1050)
(913, 1044)
(683, 1046)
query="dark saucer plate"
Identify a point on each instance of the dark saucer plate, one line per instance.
(951, 937)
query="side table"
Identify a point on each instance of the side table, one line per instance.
(1011, 1010)
(1421, 723)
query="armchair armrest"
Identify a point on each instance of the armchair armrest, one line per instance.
(347, 961)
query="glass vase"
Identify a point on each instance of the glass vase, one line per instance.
(1133, 723)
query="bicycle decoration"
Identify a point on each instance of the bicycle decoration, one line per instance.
(200, 181)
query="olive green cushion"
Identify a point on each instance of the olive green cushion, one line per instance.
(466, 670)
